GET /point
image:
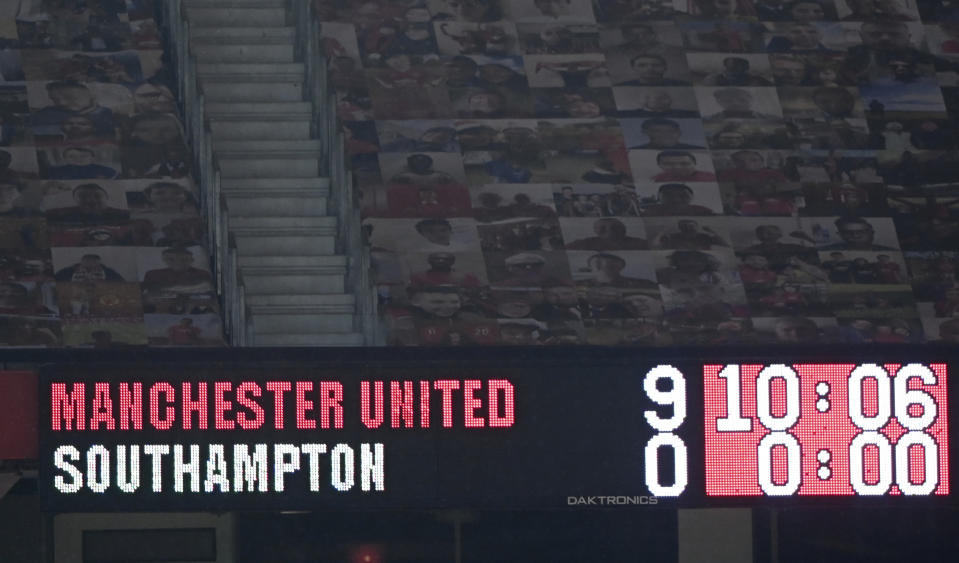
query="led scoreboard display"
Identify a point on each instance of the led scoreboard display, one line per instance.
(515, 431)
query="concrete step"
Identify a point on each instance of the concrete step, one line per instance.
(242, 35)
(252, 88)
(308, 320)
(331, 263)
(250, 65)
(238, 56)
(272, 145)
(285, 284)
(268, 164)
(213, 15)
(267, 127)
(275, 204)
(325, 225)
(302, 270)
(302, 109)
(311, 340)
(235, 3)
(283, 243)
(333, 302)
(316, 184)
(278, 197)
(293, 265)
(271, 77)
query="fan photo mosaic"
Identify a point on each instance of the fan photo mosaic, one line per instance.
(102, 244)
(653, 172)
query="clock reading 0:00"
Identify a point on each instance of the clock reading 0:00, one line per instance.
(675, 397)
(894, 399)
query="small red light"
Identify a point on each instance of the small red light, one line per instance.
(367, 554)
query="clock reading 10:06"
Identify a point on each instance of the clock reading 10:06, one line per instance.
(826, 429)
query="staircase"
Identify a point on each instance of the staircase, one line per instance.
(270, 173)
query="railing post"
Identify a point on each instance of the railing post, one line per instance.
(222, 247)
(333, 163)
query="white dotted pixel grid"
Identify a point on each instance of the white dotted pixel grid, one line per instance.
(192, 473)
(69, 410)
(895, 442)
(500, 396)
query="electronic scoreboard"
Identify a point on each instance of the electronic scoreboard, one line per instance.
(510, 431)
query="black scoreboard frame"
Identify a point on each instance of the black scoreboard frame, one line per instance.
(488, 361)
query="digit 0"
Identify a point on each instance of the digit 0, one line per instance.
(652, 465)
(764, 393)
(883, 410)
(779, 425)
(857, 453)
(930, 462)
(793, 467)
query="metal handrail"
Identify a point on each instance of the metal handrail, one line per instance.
(223, 255)
(343, 199)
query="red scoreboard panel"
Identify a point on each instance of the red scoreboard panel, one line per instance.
(520, 429)
(18, 415)
(826, 429)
